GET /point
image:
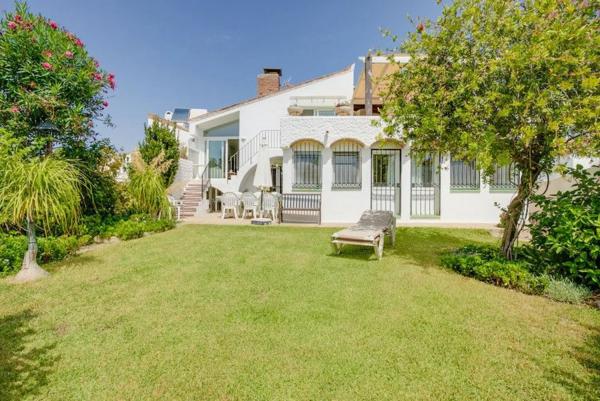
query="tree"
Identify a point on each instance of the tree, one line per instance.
(501, 82)
(40, 192)
(160, 138)
(148, 192)
(99, 162)
(46, 75)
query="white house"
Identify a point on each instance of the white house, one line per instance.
(330, 163)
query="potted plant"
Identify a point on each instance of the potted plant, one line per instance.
(343, 108)
(295, 110)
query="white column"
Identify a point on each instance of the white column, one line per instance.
(405, 185)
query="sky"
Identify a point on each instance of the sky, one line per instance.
(206, 54)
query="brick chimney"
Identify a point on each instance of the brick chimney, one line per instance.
(268, 82)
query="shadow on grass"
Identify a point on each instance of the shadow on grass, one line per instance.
(72, 262)
(425, 246)
(421, 246)
(588, 355)
(24, 367)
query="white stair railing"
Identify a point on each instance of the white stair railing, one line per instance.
(248, 152)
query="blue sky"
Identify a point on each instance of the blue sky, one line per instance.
(206, 54)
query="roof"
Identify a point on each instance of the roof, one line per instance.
(259, 98)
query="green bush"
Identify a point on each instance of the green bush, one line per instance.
(12, 249)
(50, 249)
(565, 231)
(57, 248)
(136, 225)
(486, 264)
(13, 246)
(565, 290)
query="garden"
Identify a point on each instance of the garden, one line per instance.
(182, 315)
(58, 183)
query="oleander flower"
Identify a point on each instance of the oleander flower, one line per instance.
(12, 25)
(53, 25)
(111, 81)
(105, 104)
(47, 66)
(14, 109)
(69, 54)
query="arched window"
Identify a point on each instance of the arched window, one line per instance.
(346, 165)
(308, 161)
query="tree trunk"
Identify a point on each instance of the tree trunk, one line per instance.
(512, 217)
(30, 270)
(511, 220)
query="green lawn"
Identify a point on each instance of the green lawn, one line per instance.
(267, 313)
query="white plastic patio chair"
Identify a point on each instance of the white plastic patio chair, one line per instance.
(229, 202)
(269, 205)
(176, 204)
(250, 204)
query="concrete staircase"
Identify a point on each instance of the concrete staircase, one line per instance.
(193, 199)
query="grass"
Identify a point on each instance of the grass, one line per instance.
(268, 313)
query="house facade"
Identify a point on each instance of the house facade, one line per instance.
(327, 155)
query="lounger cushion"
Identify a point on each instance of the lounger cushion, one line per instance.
(371, 225)
(355, 233)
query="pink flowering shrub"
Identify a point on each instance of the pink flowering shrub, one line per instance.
(46, 74)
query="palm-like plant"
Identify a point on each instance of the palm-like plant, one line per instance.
(146, 186)
(36, 192)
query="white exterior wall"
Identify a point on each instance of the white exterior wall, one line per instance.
(184, 171)
(346, 206)
(265, 114)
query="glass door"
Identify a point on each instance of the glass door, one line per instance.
(216, 158)
(233, 146)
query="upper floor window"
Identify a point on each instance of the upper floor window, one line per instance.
(464, 175)
(307, 162)
(320, 112)
(346, 165)
(505, 178)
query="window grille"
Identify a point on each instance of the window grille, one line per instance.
(464, 175)
(425, 185)
(346, 165)
(505, 178)
(307, 165)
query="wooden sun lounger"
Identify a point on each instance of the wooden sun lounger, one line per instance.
(370, 230)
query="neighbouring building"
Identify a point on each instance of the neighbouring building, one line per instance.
(328, 158)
